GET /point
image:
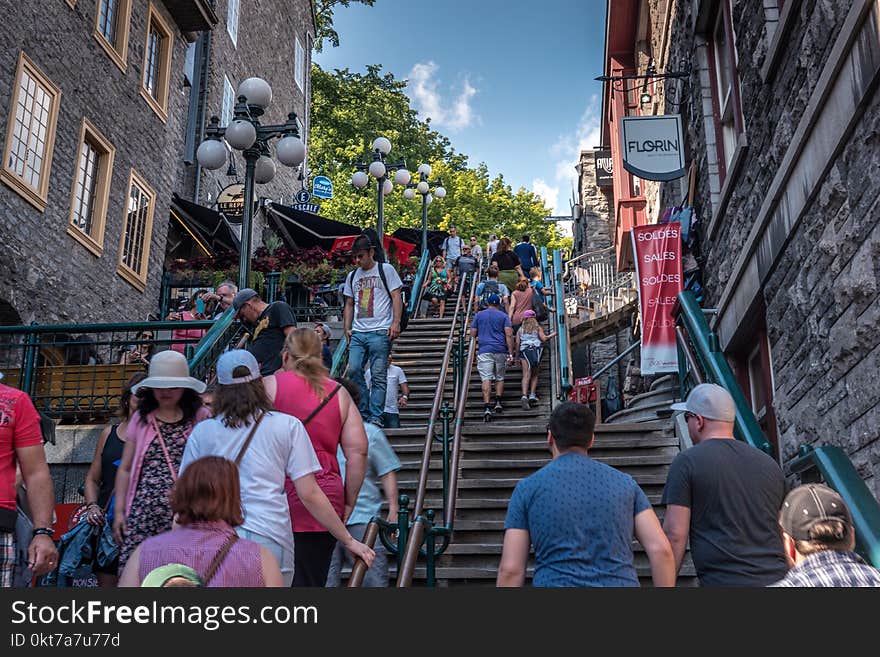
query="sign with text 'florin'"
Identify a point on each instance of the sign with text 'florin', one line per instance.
(322, 187)
(652, 146)
(657, 251)
(604, 168)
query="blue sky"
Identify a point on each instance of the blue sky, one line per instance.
(510, 82)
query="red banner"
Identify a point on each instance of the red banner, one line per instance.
(657, 251)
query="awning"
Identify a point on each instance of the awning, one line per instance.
(303, 230)
(414, 236)
(404, 249)
(208, 228)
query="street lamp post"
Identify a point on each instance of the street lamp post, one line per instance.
(379, 168)
(246, 134)
(424, 187)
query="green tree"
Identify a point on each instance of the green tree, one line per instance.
(324, 20)
(349, 110)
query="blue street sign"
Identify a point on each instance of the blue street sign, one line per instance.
(322, 187)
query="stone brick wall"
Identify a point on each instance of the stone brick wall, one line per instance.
(819, 286)
(593, 230)
(47, 275)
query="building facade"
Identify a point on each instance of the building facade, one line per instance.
(781, 121)
(94, 111)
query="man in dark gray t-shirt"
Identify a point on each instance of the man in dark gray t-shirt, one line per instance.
(725, 495)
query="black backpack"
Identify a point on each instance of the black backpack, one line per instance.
(491, 286)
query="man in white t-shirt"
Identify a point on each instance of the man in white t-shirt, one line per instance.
(451, 248)
(491, 248)
(371, 318)
(393, 399)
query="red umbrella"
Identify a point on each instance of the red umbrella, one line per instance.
(342, 244)
(404, 249)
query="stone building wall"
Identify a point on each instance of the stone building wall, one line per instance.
(794, 231)
(594, 230)
(48, 276)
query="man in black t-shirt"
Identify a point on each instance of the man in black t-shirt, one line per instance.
(268, 325)
(725, 495)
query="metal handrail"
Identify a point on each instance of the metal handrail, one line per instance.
(217, 338)
(408, 560)
(415, 295)
(564, 351)
(838, 472)
(615, 360)
(716, 369)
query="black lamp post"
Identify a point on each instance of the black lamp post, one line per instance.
(249, 136)
(424, 187)
(379, 169)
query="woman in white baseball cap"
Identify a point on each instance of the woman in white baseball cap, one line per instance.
(169, 407)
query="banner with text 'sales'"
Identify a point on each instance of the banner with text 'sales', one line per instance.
(657, 250)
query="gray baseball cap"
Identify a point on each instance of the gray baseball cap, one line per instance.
(709, 401)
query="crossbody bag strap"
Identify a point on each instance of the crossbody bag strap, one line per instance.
(164, 449)
(322, 404)
(247, 440)
(219, 557)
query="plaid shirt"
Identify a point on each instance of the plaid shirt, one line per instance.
(831, 568)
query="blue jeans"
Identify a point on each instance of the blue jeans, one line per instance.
(285, 558)
(392, 420)
(376, 346)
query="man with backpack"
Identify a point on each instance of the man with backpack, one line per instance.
(465, 264)
(452, 247)
(527, 254)
(371, 318)
(492, 286)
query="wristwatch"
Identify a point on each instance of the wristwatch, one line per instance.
(48, 531)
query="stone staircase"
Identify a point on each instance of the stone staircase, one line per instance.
(496, 456)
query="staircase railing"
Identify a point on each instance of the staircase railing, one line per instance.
(562, 345)
(702, 361)
(225, 332)
(839, 472)
(415, 295)
(423, 530)
(595, 283)
(409, 538)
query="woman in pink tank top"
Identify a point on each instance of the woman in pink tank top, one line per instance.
(206, 499)
(299, 391)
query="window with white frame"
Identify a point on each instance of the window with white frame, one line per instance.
(725, 91)
(30, 137)
(134, 251)
(232, 21)
(228, 108)
(299, 65)
(91, 188)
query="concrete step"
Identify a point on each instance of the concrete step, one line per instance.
(667, 394)
(647, 413)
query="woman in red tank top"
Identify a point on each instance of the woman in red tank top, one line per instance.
(299, 391)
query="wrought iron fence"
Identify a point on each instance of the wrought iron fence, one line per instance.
(594, 284)
(76, 372)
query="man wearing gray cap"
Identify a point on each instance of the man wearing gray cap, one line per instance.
(269, 324)
(819, 538)
(725, 495)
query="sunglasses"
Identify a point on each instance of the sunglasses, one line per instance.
(688, 415)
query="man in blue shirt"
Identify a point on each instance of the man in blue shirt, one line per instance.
(581, 516)
(527, 254)
(494, 334)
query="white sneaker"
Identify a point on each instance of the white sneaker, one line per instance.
(525, 403)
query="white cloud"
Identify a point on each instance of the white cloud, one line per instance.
(455, 115)
(567, 150)
(545, 191)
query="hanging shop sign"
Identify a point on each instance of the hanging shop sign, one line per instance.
(653, 146)
(657, 251)
(322, 187)
(604, 169)
(304, 202)
(230, 201)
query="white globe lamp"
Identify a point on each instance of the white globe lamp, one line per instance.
(257, 91)
(241, 134)
(387, 187)
(382, 145)
(429, 199)
(425, 169)
(423, 187)
(359, 179)
(211, 154)
(409, 194)
(440, 192)
(402, 177)
(264, 169)
(290, 151)
(377, 169)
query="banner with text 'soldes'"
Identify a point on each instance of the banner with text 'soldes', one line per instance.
(657, 250)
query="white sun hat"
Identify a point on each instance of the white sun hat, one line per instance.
(169, 369)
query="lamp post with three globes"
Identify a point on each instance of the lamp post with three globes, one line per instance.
(424, 187)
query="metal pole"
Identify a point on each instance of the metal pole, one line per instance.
(424, 223)
(251, 156)
(380, 223)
